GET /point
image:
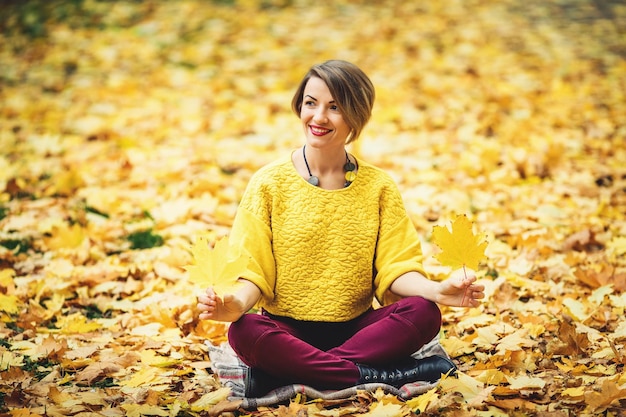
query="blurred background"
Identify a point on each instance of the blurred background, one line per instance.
(127, 128)
(502, 89)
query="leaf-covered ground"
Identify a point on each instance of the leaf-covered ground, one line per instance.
(129, 128)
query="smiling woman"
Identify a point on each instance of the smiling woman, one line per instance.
(353, 89)
(329, 124)
(326, 234)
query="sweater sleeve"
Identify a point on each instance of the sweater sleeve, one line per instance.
(398, 249)
(252, 233)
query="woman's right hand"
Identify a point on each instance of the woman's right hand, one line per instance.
(229, 308)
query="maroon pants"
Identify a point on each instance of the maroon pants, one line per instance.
(324, 354)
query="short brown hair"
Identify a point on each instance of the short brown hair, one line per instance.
(351, 89)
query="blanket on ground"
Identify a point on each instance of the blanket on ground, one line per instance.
(231, 372)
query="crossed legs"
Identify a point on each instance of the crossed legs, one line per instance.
(324, 355)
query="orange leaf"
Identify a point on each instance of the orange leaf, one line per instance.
(610, 393)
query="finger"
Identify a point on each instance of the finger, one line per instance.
(206, 300)
(476, 297)
(469, 279)
(460, 281)
(206, 306)
(473, 301)
(211, 295)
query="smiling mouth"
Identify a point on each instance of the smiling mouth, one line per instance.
(318, 131)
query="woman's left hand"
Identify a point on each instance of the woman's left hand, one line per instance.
(459, 289)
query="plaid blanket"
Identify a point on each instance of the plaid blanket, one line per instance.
(231, 372)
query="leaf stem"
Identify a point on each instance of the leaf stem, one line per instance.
(466, 288)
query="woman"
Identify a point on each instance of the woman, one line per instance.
(326, 233)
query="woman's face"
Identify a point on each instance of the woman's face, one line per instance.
(321, 118)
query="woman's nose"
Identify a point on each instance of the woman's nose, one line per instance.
(320, 116)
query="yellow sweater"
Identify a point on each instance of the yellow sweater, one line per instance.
(322, 255)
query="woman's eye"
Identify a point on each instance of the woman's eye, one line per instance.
(309, 103)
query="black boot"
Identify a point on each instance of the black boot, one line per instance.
(427, 369)
(258, 383)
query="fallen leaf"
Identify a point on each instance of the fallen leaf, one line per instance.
(421, 402)
(385, 410)
(210, 399)
(514, 342)
(76, 323)
(9, 359)
(145, 376)
(97, 370)
(464, 384)
(608, 393)
(9, 304)
(617, 245)
(66, 237)
(525, 382)
(139, 410)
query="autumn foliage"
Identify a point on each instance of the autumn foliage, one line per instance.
(128, 131)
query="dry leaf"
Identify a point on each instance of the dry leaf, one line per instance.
(609, 393)
(9, 304)
(525, 382)
(385, 410)
(421, 402)
(139, 410)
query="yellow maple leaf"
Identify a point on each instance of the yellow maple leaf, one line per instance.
(66, 237)
(6, 278)
(9, 304)
(464, 384)
(150, 357)
(210, 399)
(219, 267)
(575, 392)
(459, 247)
(617, 245)
(385, 410)
(76, 323)
(421, 402)
(144, 376)
(525, 382)
(139, 410)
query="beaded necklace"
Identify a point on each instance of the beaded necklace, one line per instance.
(348, 168)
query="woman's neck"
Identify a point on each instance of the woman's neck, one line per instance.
(325, 162)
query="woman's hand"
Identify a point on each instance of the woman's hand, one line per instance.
(459, 289)
(231, 307)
